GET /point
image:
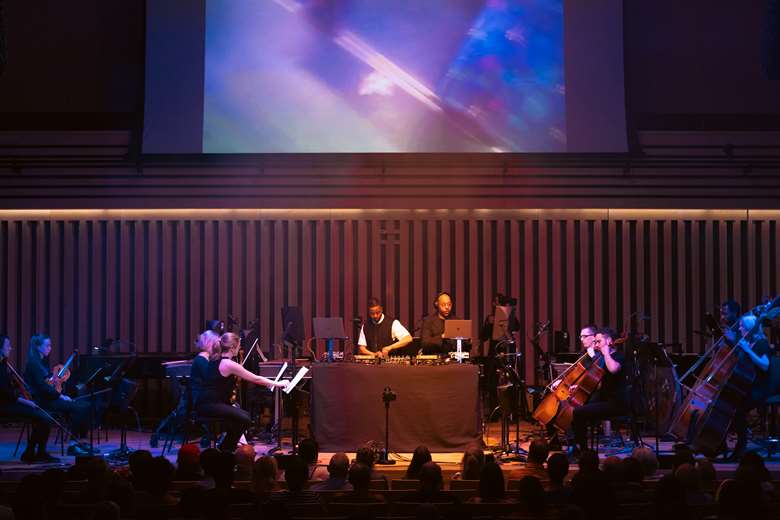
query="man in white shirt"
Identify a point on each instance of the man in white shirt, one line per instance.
(380, 335)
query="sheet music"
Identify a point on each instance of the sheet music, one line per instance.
(281, 371)
(296, 380)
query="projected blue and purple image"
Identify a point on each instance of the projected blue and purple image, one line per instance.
(350, 76)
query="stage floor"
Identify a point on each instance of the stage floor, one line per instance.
(11, 468)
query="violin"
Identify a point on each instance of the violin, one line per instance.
(19, 382)
(61, 373)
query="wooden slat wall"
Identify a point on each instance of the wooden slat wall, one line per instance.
(154, 281)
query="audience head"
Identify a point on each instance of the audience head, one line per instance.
(589, 462)
(682, 455)
(751, 467)
(297, 474)
(740, 499)
(420, 456)
(688, 476)
(471, 465)
(308, 450)
(531, 493)
(558, 468)
(491, 482)
(366, 455)
(538, 451)
(140, 462)
(161, 473)
(430, 478)
(647, 460)
(631, 469)
(188, 462)
(612, 468)
(245, 458)
(707, 472)
(97, 469)
(360, 477)
(264, 473)
(208, 460)
(338, 467)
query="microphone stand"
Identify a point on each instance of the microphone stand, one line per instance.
(388, 396)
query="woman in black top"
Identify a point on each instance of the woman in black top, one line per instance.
(214, 397)
(37, 373)
(13, 405)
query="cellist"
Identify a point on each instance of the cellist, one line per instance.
(610, 400)
(756, 347)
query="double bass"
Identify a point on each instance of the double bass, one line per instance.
(572, 389)
(704, 418)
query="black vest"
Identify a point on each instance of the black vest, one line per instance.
(378, 336)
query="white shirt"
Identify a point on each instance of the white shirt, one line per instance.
(398, 331)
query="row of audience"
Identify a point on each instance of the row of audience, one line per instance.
(597, 490)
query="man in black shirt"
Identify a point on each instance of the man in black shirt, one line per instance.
(610, 399)
(432, 330)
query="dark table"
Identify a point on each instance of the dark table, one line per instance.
(437, 406)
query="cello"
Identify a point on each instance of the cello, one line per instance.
(573, 389)
(703, 419)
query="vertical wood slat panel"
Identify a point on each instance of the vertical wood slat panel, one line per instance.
(180, 273)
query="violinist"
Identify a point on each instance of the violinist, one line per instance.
(14, 405)
(38, 377)
(214, 397)
(756, 347)
(609, 400)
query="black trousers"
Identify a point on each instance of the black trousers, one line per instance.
(78, 413)
(236, 421)
(40, 424)
(591, 413)
(739, 423)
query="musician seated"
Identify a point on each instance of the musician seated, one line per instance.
(215, 395)
(432, 330)
(755, 345)
(12, 404)
(38, 377)
(380, 335)
(610, 399)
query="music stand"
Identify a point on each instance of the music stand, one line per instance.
(329, 329)
(458, 330)
(655, 354)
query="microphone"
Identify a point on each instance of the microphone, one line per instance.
(358, 320)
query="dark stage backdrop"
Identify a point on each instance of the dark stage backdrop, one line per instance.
(153, 277)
